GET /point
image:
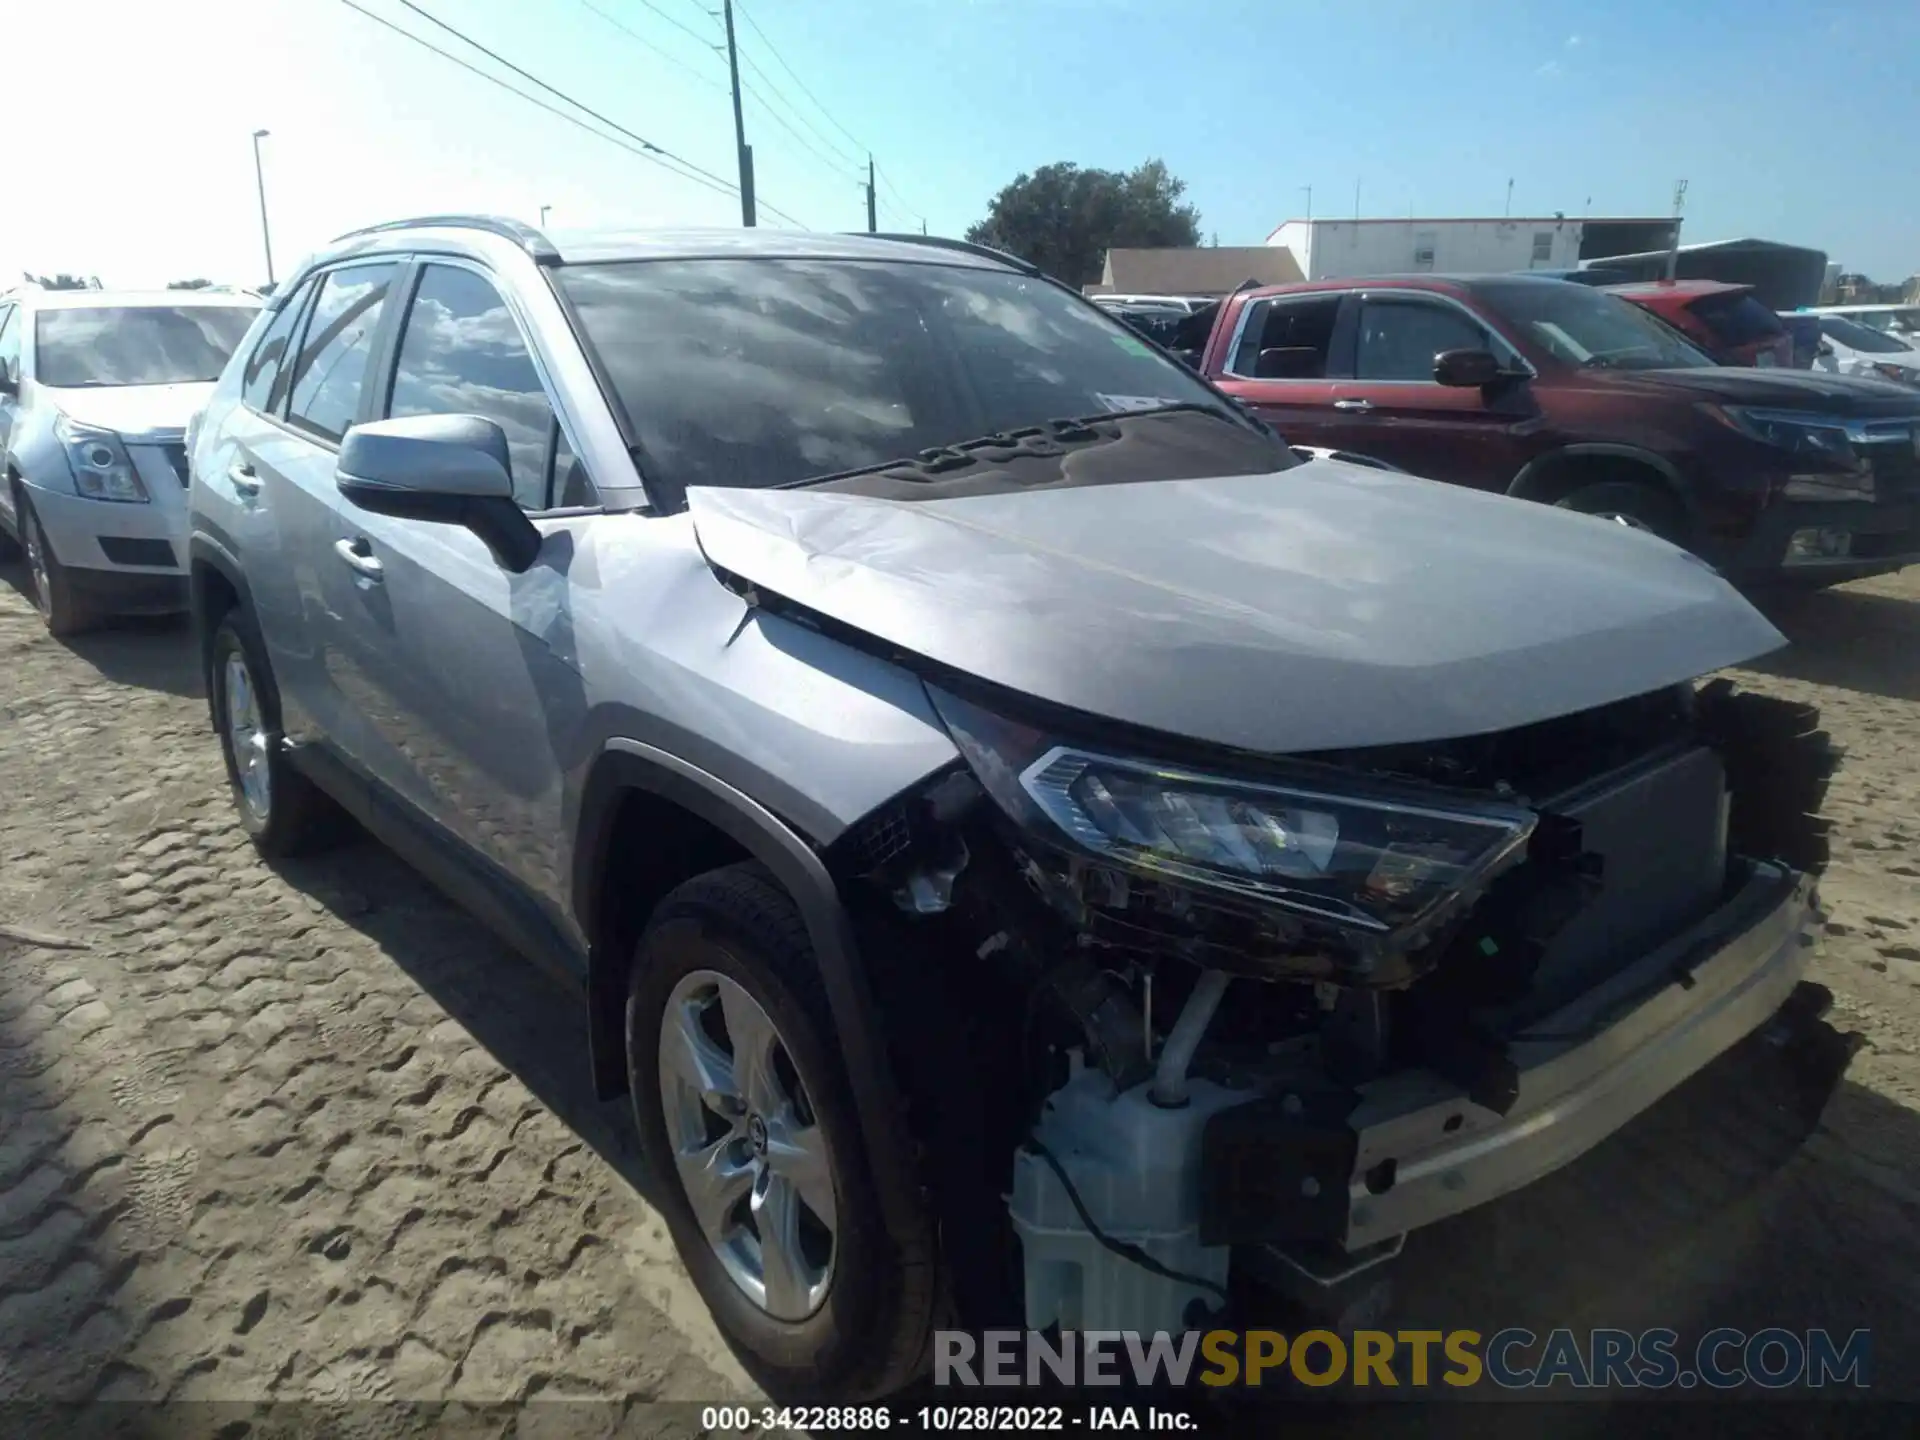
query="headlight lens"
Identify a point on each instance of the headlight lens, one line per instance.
(1820, 436)
(101, 467)
(1378, 864)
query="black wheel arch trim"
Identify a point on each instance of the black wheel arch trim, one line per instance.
(1541, 465)
(626, 765)
(207, 548)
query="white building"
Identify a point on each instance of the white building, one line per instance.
(1334, 249)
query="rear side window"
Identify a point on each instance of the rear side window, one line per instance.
(336, 347)
(1287, 338)
(1735, 318)
(462, 354)
(260, 384)
(1398, 338)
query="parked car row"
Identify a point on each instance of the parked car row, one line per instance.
(96, 389)
(1033, 848)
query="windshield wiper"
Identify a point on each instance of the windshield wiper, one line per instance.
(958, 455)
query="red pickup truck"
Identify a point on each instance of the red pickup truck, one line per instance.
(1564, 394)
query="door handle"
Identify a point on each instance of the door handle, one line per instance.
(1353, 404)
(243, 478)
(360, 558)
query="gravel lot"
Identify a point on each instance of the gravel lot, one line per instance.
(309, 1133)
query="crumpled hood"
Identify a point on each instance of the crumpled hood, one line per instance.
(1327, 606)
(135, 411)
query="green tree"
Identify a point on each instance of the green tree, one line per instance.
(64, 281)
(1064, 218)
(189, 285)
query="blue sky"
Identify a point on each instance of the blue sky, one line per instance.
(1792, 119)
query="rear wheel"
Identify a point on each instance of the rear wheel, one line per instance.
(284, 812)
(745, 1116)
(61, 610)
(1630, 503)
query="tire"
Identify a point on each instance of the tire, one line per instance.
(1644, 507)
(61, 610)
(855, 1322)
(284, 812)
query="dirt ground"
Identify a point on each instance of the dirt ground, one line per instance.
(308, 1132)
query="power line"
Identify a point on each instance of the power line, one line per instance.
(660, 150)
(888, 184)
(859, 147)
(774, 51)
(699, 178)
(799, 115)
(683, 29)
(668, 56)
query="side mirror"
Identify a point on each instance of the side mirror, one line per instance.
(1824, 348)
(1467, 369)
(445, 469)
(8, 385)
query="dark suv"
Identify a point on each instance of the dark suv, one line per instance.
(1567, 395)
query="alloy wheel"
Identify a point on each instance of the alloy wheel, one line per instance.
(749, 1149)
(247, 736)
(36, 545)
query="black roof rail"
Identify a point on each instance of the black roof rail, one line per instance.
(522, 234)
(965, 247)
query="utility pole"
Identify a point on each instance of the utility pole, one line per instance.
(873, 221)
(1673, 240)
(1309, 190)
(1356, 197)
(260, 183)
(1509, 210)
(745, 151)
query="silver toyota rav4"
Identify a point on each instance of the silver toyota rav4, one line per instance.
(1022, 836)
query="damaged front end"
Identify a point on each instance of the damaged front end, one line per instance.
(1271, 1016)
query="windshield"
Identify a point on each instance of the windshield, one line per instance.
(1856, 336)
(1737, 318)
(770, 372)
(137, 344)
(1582, 326)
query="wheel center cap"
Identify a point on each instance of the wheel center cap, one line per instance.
(757, 1135)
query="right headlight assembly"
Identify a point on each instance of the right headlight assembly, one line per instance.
(1377, 865)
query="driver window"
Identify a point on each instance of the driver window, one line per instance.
(462, 354)
(1398, 339)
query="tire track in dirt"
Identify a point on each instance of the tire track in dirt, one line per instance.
(244, 1154)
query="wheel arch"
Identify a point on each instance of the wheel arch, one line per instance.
(1552, 477)
(630, 770)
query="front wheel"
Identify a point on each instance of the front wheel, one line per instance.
(745, 1116)
(61, 610)
(283, 812)
(1629, 503)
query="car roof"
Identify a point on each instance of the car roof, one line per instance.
(602, 245)
(1444, 284)
(136, 299)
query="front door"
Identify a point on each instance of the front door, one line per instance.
(1393, 408)
(463, 673)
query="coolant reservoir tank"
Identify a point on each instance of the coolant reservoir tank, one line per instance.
(1136, 1166)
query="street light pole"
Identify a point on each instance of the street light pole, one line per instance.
(260, 182)
(543, 215)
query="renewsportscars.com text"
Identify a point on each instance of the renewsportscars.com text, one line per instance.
(1512, 1359)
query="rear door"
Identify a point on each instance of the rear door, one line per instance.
(1281, 359)
(292, 459)
(1392, 407)
(462, 673)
